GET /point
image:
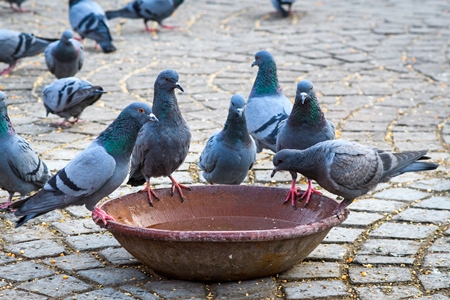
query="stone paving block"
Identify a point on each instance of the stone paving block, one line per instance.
(323, 289)
(118, 256)
(18, 294)
(401, 194)
(418, 215)
(92, 241)
(437, 260)
(328, 252)
(361, 219)
(23, 271)
(74, 262)
(56, 286)
(177, 289)
(78, 211)
(307, 270)
(403, 231)
(46, 218)
(34, 249)
(6, 259)
(435, 280)
(25, 234)
(377, 205)
(114, 276)
(388, 247)
(434, 297)
(433, 184)
(72, 227)
(141, 293)
(360, 275)
(388, 292)
(440, 245)
(379, 259)
(263, 288)
(100, 294)
(435, 203)
(342, 235)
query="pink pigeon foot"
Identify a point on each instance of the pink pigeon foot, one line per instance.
(18, 9)
(63, 124)
(169, 27)
(293, 193)
(309, 191)
(178, 187)
(6, 204)
(99, 214)
(149, 192)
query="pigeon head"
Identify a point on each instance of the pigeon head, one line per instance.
(2, 101)
(263, 57)
(6, 127)
(266, 82)
(167, 80)
(282, 160)
(305, 91)
(237, 105)
(66, 36)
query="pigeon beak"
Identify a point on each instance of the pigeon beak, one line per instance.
(153, 118)
(240, 111)
(303, 95)
(178, 86)
(273, 172)
(254, 63)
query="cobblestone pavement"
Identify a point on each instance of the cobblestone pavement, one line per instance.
(381, 72)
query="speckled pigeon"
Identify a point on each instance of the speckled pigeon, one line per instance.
(94, 173)
(22, 170)
(230, 153)
(305, 127)
(266, 105)
(161, 147)
(16, 45)
(18, 3)
(280, 6)
(154, 10)
(68, 97)
(88, 19)
(64, 58)
(349, 169)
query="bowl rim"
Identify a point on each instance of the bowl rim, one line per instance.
(339, 216)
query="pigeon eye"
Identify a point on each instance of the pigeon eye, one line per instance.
(166, 79)
(141, 110)
(232, 103)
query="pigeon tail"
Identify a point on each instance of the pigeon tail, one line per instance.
(27, 218)
(107, 47)
(420, 166)
(123, 13)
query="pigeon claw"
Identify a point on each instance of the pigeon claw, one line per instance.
(292, 195)
(150, 192)
(99, 214)
(310, 190)
(178, 186)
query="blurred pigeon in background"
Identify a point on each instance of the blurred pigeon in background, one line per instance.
(149, 10)
(68, 97)
(305, 127)
(64, 58)
(266, 105)
(284, 7)
(16, 45)
(22, 170)
(88, 19)
(349, 169)
(230, 153)
(18, 3)
(94, 173)
(161, 147)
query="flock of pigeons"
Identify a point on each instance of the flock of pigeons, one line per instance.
(155, 140)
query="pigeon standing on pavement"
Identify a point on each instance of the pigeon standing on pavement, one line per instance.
(16, 45)
(64, 58)
(22, 170)
(305, 127)
(266, 105)
(18, 3)
(280, 7)
(94, 173)
(68, 97)
(230, 153)
(149, 10)
(161, 147)
(88, 19)
(349, 169)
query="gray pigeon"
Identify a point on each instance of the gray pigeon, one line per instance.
(280, 7)
(18, 3)
(68, 97)
(94, 173)
(305, 127)
(161, 147)
(266, 105)
(64, 58)
(16, 45)
(154, 10)
(349, 169)
(88, 19)
(229, 154)
(22, 170)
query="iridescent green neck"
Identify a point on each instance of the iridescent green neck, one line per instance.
(266, 81)
(6, 127)
(236, 129)
(167, 107)
(119, 138)
(307, 113)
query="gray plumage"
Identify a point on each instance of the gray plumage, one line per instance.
(16, 45)
(349, 169)
(230, 153)
(18, 3)
(22, 170)
(68, 97)
(161, 147)
(64, 58)
(305, 127)
(266, 105)
(149, 10)
(88, 19)
(284, 7)
(94, 173)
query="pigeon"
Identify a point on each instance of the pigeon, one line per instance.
(16, 45)
(154, 10)
(64, 58)
(305, 127)
(161, 147)
(94, 173)
(18, 3)
(88, 19)
(349, 169)
(230, 153)
(22, 170)
(68, 97)
(280, 7)
(266, 105)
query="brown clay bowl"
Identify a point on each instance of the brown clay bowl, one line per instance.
(220, 232)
